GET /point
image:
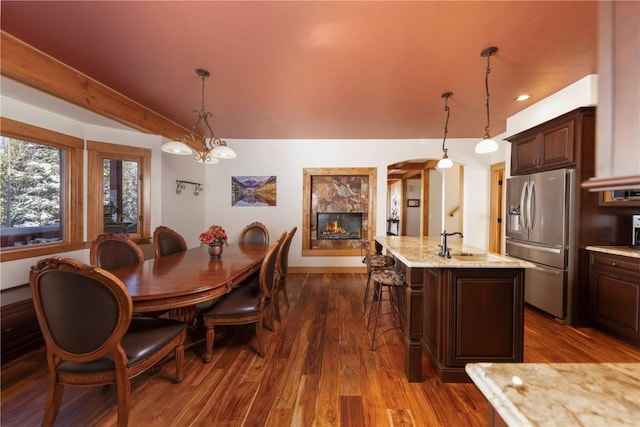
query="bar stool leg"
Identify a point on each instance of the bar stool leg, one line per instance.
(375, 324)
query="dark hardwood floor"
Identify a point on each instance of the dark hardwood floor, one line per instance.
(318, 371)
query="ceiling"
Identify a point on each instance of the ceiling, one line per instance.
(320, 69)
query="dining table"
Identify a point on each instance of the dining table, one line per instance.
(178, 283)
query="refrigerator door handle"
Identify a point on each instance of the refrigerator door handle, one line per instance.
(523, 208)
(531, 206)
(538, 248)
(548, 271)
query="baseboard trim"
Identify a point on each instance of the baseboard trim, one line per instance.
(350, 270)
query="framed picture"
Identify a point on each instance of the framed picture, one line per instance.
(413, 203)
(253, 191)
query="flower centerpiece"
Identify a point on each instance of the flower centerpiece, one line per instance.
(214, 237)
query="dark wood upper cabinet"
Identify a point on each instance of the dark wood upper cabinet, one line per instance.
(553, 144)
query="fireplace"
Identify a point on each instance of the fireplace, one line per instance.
(339, 225)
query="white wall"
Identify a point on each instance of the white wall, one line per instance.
(436, 195)
(286, 159)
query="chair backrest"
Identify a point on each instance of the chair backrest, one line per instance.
(268, 267)
(110, 251)
(83, 311)
(256, 232)
(282, 262)
(167, 241)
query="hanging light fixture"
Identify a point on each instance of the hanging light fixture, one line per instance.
(445, 161)
(210, 148)
(487, 145)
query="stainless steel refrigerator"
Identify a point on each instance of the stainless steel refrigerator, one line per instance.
(540, 211)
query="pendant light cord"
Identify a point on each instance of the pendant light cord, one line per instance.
(486, 85)
(488, 52)
(446, 123)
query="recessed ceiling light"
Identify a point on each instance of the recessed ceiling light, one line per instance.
(522, 97)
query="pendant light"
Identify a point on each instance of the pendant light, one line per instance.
(210, 148)
(445, 162)
(487, 145)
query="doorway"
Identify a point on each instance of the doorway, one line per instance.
(496, 228)
(423, 200)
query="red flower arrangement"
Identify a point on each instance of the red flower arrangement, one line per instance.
(215, 234)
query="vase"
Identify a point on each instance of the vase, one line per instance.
(215, 250)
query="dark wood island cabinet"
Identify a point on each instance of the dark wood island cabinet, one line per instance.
(459, 310)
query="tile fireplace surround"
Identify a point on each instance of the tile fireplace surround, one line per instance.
(335, 191)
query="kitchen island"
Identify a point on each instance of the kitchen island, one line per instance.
(559, 394)
(463, 309)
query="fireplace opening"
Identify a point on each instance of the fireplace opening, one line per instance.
(339, 225)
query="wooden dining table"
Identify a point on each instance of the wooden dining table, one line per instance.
(179, 282)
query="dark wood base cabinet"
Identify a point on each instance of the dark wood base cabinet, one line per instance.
(614, 295)
(20, 330)
(471, 315)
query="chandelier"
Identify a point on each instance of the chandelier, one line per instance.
(445, 161)
(487, 145)
(210, 148)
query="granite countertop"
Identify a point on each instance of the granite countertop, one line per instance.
(561, 394)
(423, 252)
(616, 250)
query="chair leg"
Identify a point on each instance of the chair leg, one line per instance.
(366, 295)
(179, 356)
(208, 355)
(276, 305)
(54, 399)
(123, 386)
(375, 324)
(377, 293)
(259, 343)
(284, 293)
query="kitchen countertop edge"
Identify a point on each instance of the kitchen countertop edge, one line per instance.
(422, 252)
(616, 250)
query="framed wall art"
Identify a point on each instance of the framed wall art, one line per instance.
(253, 191)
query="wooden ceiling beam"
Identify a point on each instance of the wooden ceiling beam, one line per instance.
(25, 64)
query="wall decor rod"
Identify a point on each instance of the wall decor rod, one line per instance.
(181, 185)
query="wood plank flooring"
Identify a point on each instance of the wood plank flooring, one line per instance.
(318, 372)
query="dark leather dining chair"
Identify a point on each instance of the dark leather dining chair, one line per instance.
(167, 241)
(282, 265)
(85, 315)
(250, 303)
(110, 251)
(256, 232)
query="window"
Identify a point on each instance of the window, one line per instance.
(119, 190)
(40, 191)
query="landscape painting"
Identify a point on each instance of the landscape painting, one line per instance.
(253, 191)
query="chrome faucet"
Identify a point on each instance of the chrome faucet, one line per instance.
(444, 250)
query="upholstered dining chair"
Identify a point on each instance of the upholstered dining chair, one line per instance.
(250, 303)
(256, 232)
(85, 314)
(110, 251)
(167, 241)
(282, 265)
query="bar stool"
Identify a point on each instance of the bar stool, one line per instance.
(392, 282)
(374, 262)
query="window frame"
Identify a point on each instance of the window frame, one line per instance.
(98, 151)
(72, 174)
